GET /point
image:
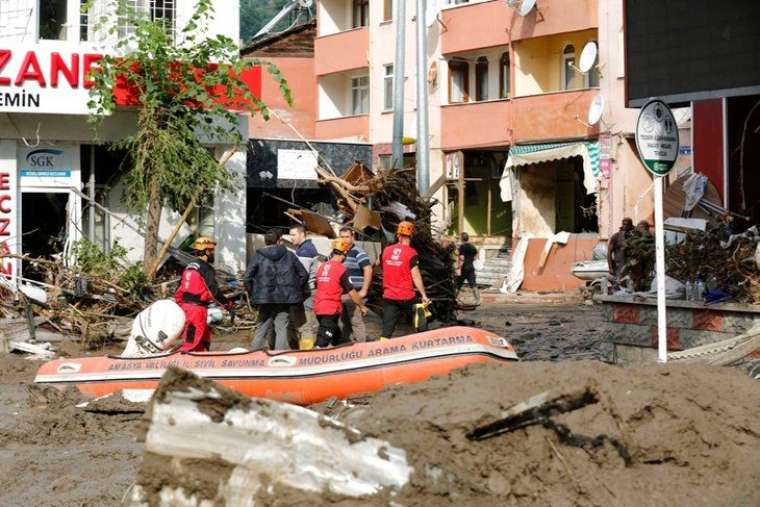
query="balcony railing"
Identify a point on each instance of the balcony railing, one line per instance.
(550, 116)
(341, 51)
(355, 128)
(488, 24)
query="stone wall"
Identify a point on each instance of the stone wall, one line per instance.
(633, 324)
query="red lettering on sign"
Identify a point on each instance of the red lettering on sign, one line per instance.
(5, 57)
(89, 59)
(5, 181)
(71, 73)
(35, 74)
(4, 223)
(3, 208)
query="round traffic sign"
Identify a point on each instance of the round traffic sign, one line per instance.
(657, 137)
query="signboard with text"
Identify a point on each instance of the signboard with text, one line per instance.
(9, 241)
(49, 166)
(657, 137)
(42, 79)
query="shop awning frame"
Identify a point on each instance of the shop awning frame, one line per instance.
(522, 155)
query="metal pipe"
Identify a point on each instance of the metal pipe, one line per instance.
(91, 192)
(397, 161)
(423, 150)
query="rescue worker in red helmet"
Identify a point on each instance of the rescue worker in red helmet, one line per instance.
(332, 282)
(197, 290)
(401, 275)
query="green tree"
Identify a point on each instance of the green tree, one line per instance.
(178, 85)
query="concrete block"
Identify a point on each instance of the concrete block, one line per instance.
(628, 334)
(673, 338)
(707, 320)
(691, 338)
(626, 314)
(677, 317)
(738, 323)
(628, 354)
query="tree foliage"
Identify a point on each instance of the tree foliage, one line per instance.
(183, 89)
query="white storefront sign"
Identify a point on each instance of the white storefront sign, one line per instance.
(49, 166)
(45, 80)
(296, 165)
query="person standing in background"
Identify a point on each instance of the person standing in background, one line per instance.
(466, 266)
(276, 280)
(359, 268)
(332, 283)
(303, 322)
(401, 274)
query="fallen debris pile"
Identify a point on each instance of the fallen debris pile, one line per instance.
(394, 198)
(251, 446)
(573, 433)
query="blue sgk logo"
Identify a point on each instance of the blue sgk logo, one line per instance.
(44, 158)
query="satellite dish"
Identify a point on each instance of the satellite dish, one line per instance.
(588, 56)
(525, 7)
(306, 4)
(596, 109)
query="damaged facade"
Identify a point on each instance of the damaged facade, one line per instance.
(52, 162)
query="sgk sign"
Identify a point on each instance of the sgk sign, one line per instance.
(45, 80)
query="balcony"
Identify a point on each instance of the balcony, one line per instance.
(486, 24)
(553, 116)
(341, 51)
(349, 128)
(476, 124)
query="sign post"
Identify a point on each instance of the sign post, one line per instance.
(657, 143)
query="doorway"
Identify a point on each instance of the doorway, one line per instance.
(44, 218)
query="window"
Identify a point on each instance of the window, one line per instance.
(388, 88)
(504, 76)
(52, 19)
(459, 81)
(481, 79)
(568, 67)
(387, 10)
(161, 11)
(360, 95)
(360, 13)
(591, 78)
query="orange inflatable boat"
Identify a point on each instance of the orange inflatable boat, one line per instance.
(301, 377)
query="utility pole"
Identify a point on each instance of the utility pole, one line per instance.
(423, 150)
(398, 85)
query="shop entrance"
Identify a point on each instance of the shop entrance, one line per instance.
(44, 218)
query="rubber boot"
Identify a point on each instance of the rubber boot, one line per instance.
(476, 293)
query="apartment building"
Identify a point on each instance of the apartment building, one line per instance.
(499, 83)
(50, 157)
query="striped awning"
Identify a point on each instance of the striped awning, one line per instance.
(521, 155)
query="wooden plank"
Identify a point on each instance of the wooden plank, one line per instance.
(536, 410)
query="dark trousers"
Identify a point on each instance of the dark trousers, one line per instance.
(392, 312)
(329, 331)
(468, 274)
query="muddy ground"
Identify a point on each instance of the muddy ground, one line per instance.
(692, 433)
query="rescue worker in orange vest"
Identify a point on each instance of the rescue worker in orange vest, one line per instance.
(332, 282)
(197, 290)
(401, 274)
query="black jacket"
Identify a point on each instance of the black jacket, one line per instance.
(276, 276)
